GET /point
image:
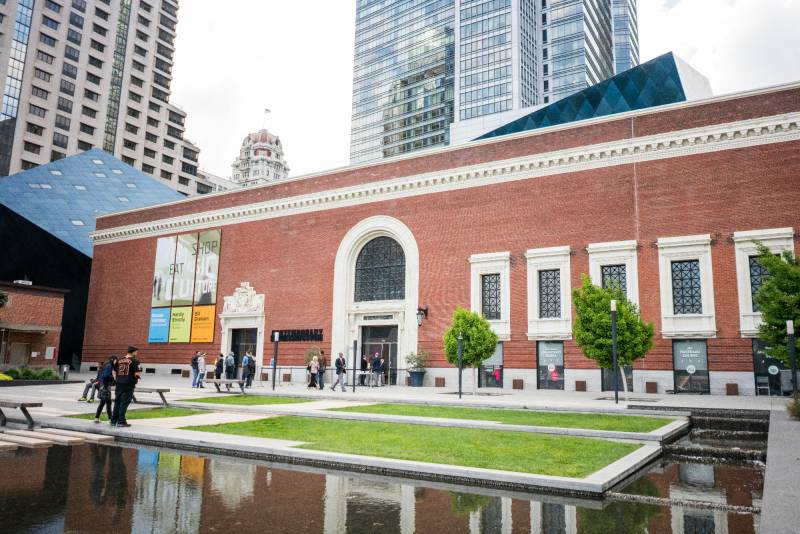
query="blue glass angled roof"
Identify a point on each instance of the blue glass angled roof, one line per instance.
(64, 197)
(654, 83)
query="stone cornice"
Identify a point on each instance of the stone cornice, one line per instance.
(754, 132)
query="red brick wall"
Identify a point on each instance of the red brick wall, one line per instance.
(31, 306)
(291, 259)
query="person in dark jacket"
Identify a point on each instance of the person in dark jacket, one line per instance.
(376, 370)
(93, 384)
(106, 381)
(218, 365)
(323, 365)
(127, 372)
(364, 368)
(341, 372)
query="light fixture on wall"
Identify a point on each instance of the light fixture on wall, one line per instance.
(422, 314)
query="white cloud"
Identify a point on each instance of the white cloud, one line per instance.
(237, 57)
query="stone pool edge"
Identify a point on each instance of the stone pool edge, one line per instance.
(594, 485)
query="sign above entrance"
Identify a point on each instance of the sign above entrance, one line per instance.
(388, 317)
(298, 335)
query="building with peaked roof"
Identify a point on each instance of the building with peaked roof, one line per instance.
(47, 215)
(260, 160)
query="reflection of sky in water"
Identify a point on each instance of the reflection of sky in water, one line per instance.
(91, 488)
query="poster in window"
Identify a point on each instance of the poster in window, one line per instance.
(159, 325)
(180, 324)
(162, 274)
(203, 324)
(183, 270)
(208, 246)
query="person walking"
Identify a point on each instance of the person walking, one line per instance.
(218, 366)
(384, 372)
(126, 373)
(313, 369)
(104, 394)
(201, 369)
(252, 369)
(195, 370)
(341, 372)
(323, 365)
(364, 369)
(230, 366)
(376, 370)
(246, 367)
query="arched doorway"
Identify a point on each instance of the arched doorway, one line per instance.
(375, 293)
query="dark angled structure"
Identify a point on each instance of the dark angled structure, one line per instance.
(46, 216)
(663, 80)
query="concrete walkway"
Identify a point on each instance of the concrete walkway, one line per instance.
(781, 500)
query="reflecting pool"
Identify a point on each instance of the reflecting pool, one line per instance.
(96, 488)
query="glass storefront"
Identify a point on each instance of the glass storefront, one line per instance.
(550, 364)
(491, 372)
(690, 366)
(767, 371)
(383, 341)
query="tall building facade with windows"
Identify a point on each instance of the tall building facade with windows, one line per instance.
(509, 57)
(403, 77)
(260, 160)
(79, 74)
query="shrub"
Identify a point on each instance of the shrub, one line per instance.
(479, 341)
(13, 373)
(26, 373)
(310, 353)
(47, 374)
(417, 361)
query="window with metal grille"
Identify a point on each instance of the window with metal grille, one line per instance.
(490, 296)
(687, 296)
(758, 275)
(614, 277)
(380, 271)
(550, 294)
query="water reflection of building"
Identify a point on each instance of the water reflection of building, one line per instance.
(356, 505)
(232, 482)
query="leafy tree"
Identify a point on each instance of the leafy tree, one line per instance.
(464, 504)
(778, 300)
(479, 341)
(593, 326)
(3, 299)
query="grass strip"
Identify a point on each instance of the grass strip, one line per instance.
(586, 421)
(149, 413)
(249, 400)
(492, 449)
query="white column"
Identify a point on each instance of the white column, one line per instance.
(335, 504)
(408, 509)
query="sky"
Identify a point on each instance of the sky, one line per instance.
(296, 59)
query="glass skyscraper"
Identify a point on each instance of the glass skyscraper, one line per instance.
(421, 65)
(403, 77)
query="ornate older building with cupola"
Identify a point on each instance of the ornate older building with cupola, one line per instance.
(260, 160)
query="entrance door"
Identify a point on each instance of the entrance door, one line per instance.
(20, 354)
(491, 372)
(242, 341)
(381, 340)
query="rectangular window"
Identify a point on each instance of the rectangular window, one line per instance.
(490, 296)
(614, 277)
(96, 45)
(133, 96)
(39, 92)
(34, 129)
(146, 7)
(76, 20)
(130, 128)
(687, 297)
(52, 6)
(139, 51)
(67, 87)
(166, 175)
(99, 30)
(151, 137)
(690, 366)
(100, 13)
(55, 155)
(183, 181)
(130, 161)
(92, 78)
(85, 128)
(64, 104)
(168, 144)
(46, 39)
(550, 365)
(83, 145)
(133, 113)
(44, 56)
(149, 169)
(63, 122)
(60, 140)
(142, 36)
(136, 81)
(50, 23)
(491, 371)
(169, 160)
(153, 106)
(130, 145)
(70, 70)
(149, 153)
(91, 95)
(72, 53)
(138, 66)
(550, 294)
(152, 122)
(143, 21)
(94, 62)
(36, 110)
(89, 112)
(33, 148)
(80, 5)
(758, 275)
(73, 36)
(42, 75)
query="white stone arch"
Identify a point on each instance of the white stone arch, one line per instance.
(348, 316)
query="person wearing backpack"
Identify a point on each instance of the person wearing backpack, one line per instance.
(195, 368)
(230, 366)
(252, 370)
(246, 367)
(106, 381)
(201, 369)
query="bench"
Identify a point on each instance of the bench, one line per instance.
(160, 392)
(22, 406)
(227, 383)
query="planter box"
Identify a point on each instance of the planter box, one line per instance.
(580, 385)
(416, 378)
(439, 381)
(518, 383)
(732, 389)
(651, 387)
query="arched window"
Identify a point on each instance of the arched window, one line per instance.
(381, 271)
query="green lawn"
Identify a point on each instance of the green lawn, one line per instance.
(469, 447)
(149, 413)
(249, 400)
(589, 421)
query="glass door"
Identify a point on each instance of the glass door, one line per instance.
(550, 364)
(767, 371)
(381, 340)
(243, 340)
(491, 371)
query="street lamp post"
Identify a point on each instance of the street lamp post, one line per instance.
(275, 360)
(460, 361)
(355, 355)
(614, 349)
(792, 356)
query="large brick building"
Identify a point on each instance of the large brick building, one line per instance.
(30, 325)
(667, 200)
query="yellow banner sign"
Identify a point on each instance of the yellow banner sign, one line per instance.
(180, 324)
(203, 324)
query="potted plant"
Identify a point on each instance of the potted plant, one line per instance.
(416, 362)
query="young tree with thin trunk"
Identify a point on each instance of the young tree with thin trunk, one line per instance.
(593, 327)
(778, 300)
(479, 341)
